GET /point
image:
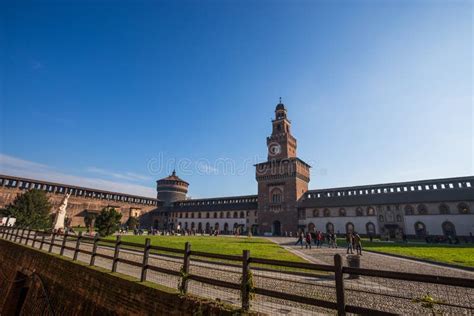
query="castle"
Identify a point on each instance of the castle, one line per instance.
(283, 202)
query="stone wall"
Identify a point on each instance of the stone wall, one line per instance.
(76, 289)
(90, 200)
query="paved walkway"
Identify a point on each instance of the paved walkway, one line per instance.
(371, 260)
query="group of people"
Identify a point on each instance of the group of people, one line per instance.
(318, 238)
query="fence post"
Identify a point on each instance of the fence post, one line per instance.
(94, 249)
(116, 253)
(53, 239)
(21, 236)
(245, 280)
(61, 253)
(146, 254)
(34, 239)
(78, 244)
(339, 276)
(42, 242)
(187, 255)
(16, 234)
(28, 237)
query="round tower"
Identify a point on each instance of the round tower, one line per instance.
(171, 189)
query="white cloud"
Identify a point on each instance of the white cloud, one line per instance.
(131, 176)
(28, 169)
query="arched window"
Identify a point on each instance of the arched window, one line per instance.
(192, 215)
(228, 215)
(327, 212)
(186, 225)
(381, 218)
(242, 214)
(449, 229)
(370, 227)
(359, 212)
(236, 214)
(216, 226)
(443, 209)
(399, 218)
(207, 215)
(221, 215)
(349, 228)
(192, 225)
(370, 211)
(226, 228)
(315, 213)
(311, 227)
(422, 210)
(409, 210)
(463, 208)
(276, 195)
(215, 215)
(208, 228)
(199, 215)
(342, 212)
(420, 229)
(329, 228)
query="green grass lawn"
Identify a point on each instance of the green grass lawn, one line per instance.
(258, 247)
(453, 254)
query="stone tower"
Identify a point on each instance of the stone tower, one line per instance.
(171, 189)
(282, 179)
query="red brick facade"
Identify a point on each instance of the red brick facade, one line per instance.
(282, 180)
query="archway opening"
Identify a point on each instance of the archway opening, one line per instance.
(276, 228)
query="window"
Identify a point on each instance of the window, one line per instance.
(381, 219)
(409, 210)
(463, 208)
(315, 213)
(443, 209)
(276, 196)
(215, 215)
(236, 215)
(359, 212)
(342, 212)
(228, 214)
(327, 212)
(422, 210)
(329, 228)
(370, 227)
(420, 229)
(242, 214)
(370, 211)
(448, 229)
(349, 228)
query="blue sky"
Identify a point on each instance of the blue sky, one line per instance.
(114, 95)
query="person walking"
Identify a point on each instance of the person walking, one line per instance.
(320, 238)
(358, 243)
(350, 240)
(334, 240)
(300, 239)
(308, 240)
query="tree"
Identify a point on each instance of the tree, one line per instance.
(31, 209)
(89, 221)
(132, 222)
(108, 221)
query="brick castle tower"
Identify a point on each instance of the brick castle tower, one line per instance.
(282, 179)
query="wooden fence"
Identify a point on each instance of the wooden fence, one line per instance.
(46, 241)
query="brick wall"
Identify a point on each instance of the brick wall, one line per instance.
(76, 289)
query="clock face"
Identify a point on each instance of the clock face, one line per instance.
(274, 149)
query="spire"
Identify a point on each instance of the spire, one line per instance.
(173, 173)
